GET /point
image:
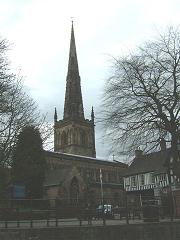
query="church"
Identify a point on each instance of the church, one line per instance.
(74, 173)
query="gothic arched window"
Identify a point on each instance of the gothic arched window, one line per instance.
(68, 137)
(58, 139)
(64, 139)
(75, 136)
(71, 136)
(74, 191)
(83, 138)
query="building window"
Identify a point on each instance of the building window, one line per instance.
(83, 139)
(127, 181)
(90, 174)
(97, 176)
(133, 181)
(162, 177)
(111, 177)
(152, 177)
(103, 176)
(120, 178)
(64, 139)
(142, 179)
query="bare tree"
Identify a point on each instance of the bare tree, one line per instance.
(17, 109)
(47, 132)
(142, 97)
(22, 111)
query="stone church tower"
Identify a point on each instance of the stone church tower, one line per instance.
(74, 134)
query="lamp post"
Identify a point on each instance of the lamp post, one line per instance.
(102, 196)
(170, 175)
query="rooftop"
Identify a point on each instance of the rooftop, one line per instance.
(69, 156)
(152, 162)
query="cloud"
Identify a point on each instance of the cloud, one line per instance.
(40, 32)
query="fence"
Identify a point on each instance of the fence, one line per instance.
(29, 213)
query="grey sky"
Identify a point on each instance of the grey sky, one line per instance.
(40, 33)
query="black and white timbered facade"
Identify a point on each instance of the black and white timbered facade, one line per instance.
(145, 181)
(148, 173)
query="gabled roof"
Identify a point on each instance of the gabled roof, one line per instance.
(152, 162)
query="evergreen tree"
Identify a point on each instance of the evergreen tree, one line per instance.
(4, 180)
(29, 162)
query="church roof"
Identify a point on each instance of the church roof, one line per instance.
(69, 156)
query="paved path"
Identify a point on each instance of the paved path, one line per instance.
(66, 223)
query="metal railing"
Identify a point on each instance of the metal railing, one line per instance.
(32, 213)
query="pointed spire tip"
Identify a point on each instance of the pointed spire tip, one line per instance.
(72, 21)
(55, 115)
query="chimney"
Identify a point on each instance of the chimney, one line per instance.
(162, 144)
(138, 153)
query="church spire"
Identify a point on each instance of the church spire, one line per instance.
(55, 115)
(92, 115)
(73, 62)
(74, 134)
(73, 106)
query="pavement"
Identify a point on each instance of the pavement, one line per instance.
(69, 223)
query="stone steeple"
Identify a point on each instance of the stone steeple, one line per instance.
(55, 115)
(74, 134)
(73, 106)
